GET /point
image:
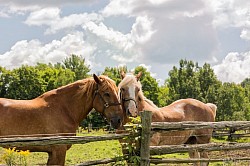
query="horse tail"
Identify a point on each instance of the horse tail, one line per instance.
(213, 107)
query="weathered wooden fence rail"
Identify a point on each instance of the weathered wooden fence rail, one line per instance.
(54, 140)
(179, 126)
(147, 128)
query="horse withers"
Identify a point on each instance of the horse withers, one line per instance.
(59, 112)
(134, 101)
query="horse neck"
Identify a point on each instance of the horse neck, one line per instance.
(157, 114)
(72, 99)
(146, 106)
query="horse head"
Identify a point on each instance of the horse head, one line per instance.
(129, 89)
(106, 100)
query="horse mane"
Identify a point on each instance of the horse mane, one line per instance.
(83, 87)
(142, 97)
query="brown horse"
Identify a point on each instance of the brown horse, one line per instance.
(134, 101)
(59, 112)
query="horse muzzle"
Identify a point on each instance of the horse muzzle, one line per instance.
(116, 122)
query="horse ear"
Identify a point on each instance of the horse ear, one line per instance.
(138, 76)
(122, 74)
(97, 79)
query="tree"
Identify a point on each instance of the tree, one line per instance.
(24, 83)
(149, 84)
(76, 64)
(245, 83)
(192, 81)
(232, 102)
(114, 73)
(163, 96)
(209, 84)
(4, 79)
(55, 77)
(184, 82)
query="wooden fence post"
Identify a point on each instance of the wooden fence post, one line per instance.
(146, 118)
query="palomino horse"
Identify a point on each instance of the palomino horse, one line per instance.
(59, 112)
(134, 101)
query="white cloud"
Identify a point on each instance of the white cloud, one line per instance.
(45, 16)
(231, 13)
(161, 32)
(51, 17)
(142, 30)
(125, 47)
(21, 7)
(245, 34)
(31, 52)
(118, 7)
(234, 68)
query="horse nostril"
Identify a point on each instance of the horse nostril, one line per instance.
(128, 112)
(119, 121)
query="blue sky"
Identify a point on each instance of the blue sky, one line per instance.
(152, 33)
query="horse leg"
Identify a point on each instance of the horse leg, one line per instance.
(155, 139)
(207, 134)
(204, 155)
(194, 154)
(57, 155)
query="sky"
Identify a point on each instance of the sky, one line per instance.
(155, 34)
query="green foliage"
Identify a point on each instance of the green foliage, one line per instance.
(4, 81)
(95, 119)
(188, 80)
(15, 157)
(55, 77)
(114, 73)
(232, 103)
(163, 97)
(131, 144)
(77, 65)
(184, 82)
(192, 81)
(24, 83)
(208, 83)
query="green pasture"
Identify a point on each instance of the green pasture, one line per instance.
(101, 150)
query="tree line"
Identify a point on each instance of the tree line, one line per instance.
(188, 80)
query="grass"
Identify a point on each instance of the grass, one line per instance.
(106, 149)
(80, 152)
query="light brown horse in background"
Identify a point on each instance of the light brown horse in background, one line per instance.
(134, 101)
(59, 112)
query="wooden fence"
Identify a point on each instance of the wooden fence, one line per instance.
(147, 127)
(146, 151)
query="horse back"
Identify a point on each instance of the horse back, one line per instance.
(192, 110)
(28, 117)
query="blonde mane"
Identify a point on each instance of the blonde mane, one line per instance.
(151, 103)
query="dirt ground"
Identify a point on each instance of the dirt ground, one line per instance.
(230, 155)
(223, 154)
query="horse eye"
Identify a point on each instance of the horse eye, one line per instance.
(122, 89)
(139, 98)
(107, 94)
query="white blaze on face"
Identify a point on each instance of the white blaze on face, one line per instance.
(131, 104)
